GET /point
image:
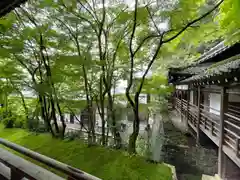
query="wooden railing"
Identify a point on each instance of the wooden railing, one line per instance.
(232, 132)
(211, 122)
(20, 168)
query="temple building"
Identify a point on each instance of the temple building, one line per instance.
(207, 97)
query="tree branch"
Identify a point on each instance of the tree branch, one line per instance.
(149, 66)
(132, 54)
(193, 22)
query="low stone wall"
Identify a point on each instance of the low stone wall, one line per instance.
(179, 123)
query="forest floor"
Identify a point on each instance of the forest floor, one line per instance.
(102, 162)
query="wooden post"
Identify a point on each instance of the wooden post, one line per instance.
(198, 114)
(237, 146)
(187, 110)
(223, 110)
(212, 127)
(181, 108)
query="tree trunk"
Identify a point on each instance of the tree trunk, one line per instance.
(111, 115)
(53, 115)
(45, 118)
(134, 135)
(102, 111)
(24, 105)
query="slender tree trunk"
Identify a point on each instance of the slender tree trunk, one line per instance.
(111, 116)
(53, 115)
(24, 105)
(102, 112)
(61, 116)
(134, 135)
(45, 118)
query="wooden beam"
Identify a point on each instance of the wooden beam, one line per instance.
(22, 168)
(223, 110)
(64, 168)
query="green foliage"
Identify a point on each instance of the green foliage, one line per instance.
(11, 120)
(229, 16)
(8, 121)
(157, 85)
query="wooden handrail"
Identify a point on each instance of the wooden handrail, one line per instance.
(230, 138)
(72, 172)
(233, 110)
(216, 91)
(21, 168)
(193, 105)
(236, 107)
(233, 125)
(209, 118)
(229, 144)
(232, 133)
(233, 117)
(209, 107)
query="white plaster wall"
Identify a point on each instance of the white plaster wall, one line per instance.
(182, 87)
(206, 100)
(67, 116)
(234, 97)
(98, 118)
(215, 101)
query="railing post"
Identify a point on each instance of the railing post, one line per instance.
(237, 146)
(205, 122)
(198, 114)
(181, 109)
(223, 110)
(212, 128)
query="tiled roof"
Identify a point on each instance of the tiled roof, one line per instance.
(216, 69)
(203, 61)
(193, 69)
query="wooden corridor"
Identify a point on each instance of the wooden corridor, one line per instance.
(200, 119)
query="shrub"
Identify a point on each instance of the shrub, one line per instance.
(8, 122)
(71, 135)
(20, 122)
(36, 125)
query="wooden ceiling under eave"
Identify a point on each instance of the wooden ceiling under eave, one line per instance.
(8, 5)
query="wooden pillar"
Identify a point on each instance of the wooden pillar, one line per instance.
(187, 109)
(198, 114)
(181, 106)
(223, 110)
